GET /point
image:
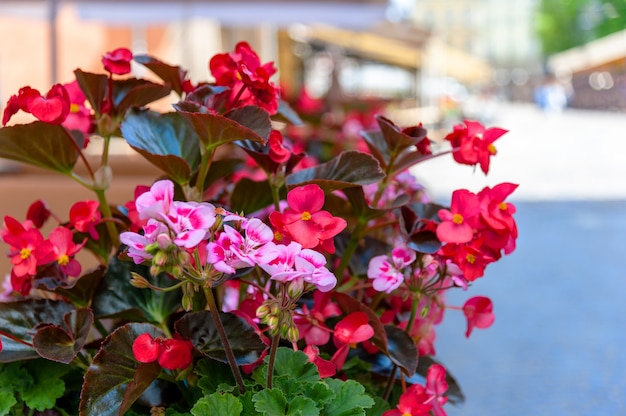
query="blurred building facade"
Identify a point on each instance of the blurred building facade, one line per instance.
(500, 32)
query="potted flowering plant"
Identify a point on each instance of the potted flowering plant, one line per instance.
(268, 271)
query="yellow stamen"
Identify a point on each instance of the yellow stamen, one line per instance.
(63, 260)
(25, 253)
(74, 108)
(470, 258)
(457, 219)
(278, 236)
(492, 149)
(503, 206)
(306, 215)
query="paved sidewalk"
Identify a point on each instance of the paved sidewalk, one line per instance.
(578, 155)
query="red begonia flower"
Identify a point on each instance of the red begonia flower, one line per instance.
(473, 144)
(436, 386)
(415, 401)
(175, 354)
(278, 153)
(38, 213)
(324, 367)
(61, 248)
(459, 222)
(305, 221)
(479, 313)
(52, 109)
(118, 61)
(84, 216)
(146, 349)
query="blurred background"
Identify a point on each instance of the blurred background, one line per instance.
(552, 72)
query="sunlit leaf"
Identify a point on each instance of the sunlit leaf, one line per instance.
(40, 144)
(170, 74)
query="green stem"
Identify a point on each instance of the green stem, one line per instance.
(101, 329)
(105, 209)
(230, 356)
(272, 360)
(350, 248)
(275, 197)
(205, 165)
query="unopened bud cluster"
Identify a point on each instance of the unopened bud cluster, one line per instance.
(278, 319)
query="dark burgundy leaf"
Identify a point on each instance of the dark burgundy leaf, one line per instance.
(172, 75)
(63, 342)
(401, 349)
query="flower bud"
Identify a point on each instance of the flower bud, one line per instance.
(164, 241)
(263, 311)
(295, 288)
(103, 177)
(138, 281)
(293, 334)
(424, 312)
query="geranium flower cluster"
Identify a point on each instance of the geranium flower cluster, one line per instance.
(259, 236)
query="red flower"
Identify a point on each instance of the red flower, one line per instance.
(170, 353)
(248, 79)
(436, 386)
(473, 144)
(479, 313)
(305, 221)
(278, 153)
(80, 117)
(23, 244)
(311, 322)
(84, 216)
(52, 109)
(413, 402)
(61, 248)
(459, 222)
(38, 213)
(324, 367)
(118, 61)
(351, 330)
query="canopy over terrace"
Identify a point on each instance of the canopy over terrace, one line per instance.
(406, 46)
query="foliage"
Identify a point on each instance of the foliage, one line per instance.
(275, 267)
(562, 25)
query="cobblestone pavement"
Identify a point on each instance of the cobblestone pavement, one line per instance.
(557, 345)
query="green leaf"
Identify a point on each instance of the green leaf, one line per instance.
(117, 298)
(302, 406)
(115, 379)
(249, 196)
(173, 75)
(217, 404)
(165, 140)
(19, 319)
(15, 377)
(380, 407)
(44, 145)
(248, 404)
(7, 401)
(350, 399)
(47, 385)
(346, 170)
(214, 130)
(270, 402)
(94, 86)
(201, 329)
(62, 343)
(213, 374)
(319, 392)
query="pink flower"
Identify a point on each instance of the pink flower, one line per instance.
(459, 222)
(479, 313)
(190, 221)
(387, 271)
(84, 216)
(234, 251)
(118, 61)
(138, 244)
(278, 152)
(23, 244)
(157, 201)
(79, 117)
